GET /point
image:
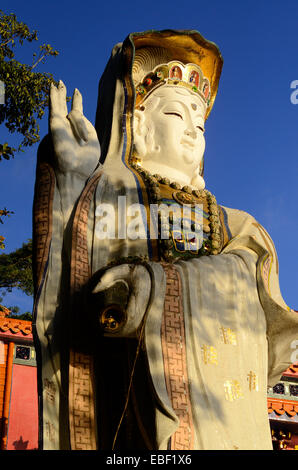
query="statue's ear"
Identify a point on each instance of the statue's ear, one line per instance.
(139, 131)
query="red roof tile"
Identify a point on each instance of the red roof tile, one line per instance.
(292, 371)
(15, 326)
(280, 406)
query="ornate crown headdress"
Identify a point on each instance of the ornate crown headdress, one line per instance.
(174, 73)
(154, 49)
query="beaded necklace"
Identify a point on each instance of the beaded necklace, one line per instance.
(213, 234)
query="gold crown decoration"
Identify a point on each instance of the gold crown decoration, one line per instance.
(175, 73)
(150, 49)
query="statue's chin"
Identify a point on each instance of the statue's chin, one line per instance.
(189, 157)
(198, 182)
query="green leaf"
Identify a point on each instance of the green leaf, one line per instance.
(26, 89)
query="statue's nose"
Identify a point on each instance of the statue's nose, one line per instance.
(191, 133)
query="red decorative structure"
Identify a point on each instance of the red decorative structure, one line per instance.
(283, 410)
(18, 385)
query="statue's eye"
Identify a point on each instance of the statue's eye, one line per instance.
(169, 113)
(201, 128)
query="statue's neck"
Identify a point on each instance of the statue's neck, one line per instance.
(174, 175)
(167, 172)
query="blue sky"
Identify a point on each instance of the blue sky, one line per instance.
(251, 158)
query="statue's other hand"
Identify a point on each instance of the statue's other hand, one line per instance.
(75, 140)
(137, 282)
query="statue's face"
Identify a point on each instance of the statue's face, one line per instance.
(170, 130)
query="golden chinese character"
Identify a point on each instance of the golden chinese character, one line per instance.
(252, 381)
(50, 431)
(209, 354)
(232, 390)
(228, 335)
(50, 390)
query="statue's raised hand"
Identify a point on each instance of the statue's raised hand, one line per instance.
(75, 140)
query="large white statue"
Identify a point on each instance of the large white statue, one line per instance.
(146, 342)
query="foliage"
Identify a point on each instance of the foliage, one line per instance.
(26, 91)
(23, 316)
(3, 212)
(16, 269)
(14, 312)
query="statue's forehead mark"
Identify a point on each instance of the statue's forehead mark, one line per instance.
(194, 106)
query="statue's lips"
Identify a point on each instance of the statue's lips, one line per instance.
(188, 144)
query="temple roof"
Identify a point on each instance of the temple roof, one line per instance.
(292, 371)
(16, 326)
(280, 407)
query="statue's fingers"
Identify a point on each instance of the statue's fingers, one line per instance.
(78, 125)
(140, 294)
(54, 100)
(139, 272)
(90, 127)
(112, 275)
(77, 101)
(140, 279)
(62, 98)
(92, 134)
